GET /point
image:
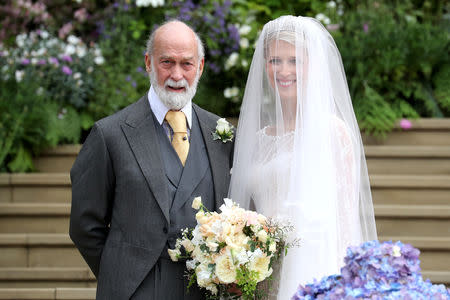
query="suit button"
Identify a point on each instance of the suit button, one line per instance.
(165, 229)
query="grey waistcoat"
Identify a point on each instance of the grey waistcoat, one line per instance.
(195, 179)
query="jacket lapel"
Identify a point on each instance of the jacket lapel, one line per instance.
(217, 154)
(139, 128)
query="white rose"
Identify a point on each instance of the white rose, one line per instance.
(231, 61)
(222, 125)
(261, 265)
(173, 253)
(70, 49)
(81, 51)
(200, 217)
(197, 203)
(245, 29)
(73, 40)
(19, 75)
(272, 247)
(225, 269)
(262, 236)
(77, 75)
(331, 4)
(99, 60)
(203, 275)
(187, 244)
(244, 43)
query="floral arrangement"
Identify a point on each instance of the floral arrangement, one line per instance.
(376, 271)
(235, 248)
(224, 131)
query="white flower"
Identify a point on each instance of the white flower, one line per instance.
(396, 251)
(187, 244)
(340, 12)
(73, 40)
(41, 51)
(90, 69)
(197, 203)
(327, 21)
(5, 68)
(222, 127)
(261, 265)
(81, 51)
(34, 61)
(40, 91)
(19, 75)
(245, 29)
(212, 288)
(262, 235)
(191, 264)
(98, 52)
(331, 4)
(272, 247)
(231, 92)
(320, 17)
(231, 61)
(225, 269)
(79, 1)
(20, 39)
(244, 63)
(244, 43)
(241, 257)
(5, 53)
(69, 50)
(52, 42)
(203, 275)
(212, 246)
(99, 60)
(44, 34)
(77, 75)
(79, 82)
(173, 253)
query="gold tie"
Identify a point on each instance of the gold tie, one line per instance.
(180, 141)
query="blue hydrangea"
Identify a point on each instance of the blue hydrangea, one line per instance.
(376, 271)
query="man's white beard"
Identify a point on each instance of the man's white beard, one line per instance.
(174, 100)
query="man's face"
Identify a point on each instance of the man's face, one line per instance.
(174, 67)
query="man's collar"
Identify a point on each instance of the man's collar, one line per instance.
(160, 110)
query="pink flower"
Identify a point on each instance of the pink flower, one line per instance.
(366, 27)
(252, 218)
(65, 30)
(81, 14)
(405, 124)
(333, 27)
(66, 70)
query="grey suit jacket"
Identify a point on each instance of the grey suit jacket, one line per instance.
(120, 203)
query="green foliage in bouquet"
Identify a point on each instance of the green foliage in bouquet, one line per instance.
(396, 63)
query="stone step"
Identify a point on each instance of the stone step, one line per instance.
(413, 220)
(57, 160)
(408, 160)
(35, 187)
(423, 132)
(410, 189)
(57, 250)
(39, 250)
(34, 217)
(48, 293)
(16, 277)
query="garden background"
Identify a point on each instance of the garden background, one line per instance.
(66, 64)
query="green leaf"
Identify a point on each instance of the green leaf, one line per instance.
(22, 161)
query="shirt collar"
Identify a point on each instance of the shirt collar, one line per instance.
(160, 110)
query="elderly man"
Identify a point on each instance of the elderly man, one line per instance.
(138, 171)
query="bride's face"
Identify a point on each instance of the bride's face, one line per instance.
(281, 68)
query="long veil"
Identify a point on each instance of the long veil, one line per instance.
(298, 152)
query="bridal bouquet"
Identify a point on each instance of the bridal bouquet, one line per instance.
(232, 249)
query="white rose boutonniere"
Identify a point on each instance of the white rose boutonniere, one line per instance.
(224, 131)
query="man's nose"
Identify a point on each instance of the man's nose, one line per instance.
(177, 73)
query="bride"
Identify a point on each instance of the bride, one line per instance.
(298, 153)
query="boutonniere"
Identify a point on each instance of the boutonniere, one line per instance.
(224, 131)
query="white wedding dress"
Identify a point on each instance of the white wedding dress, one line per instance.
(271, 187)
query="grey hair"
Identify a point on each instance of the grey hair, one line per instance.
(151, 39)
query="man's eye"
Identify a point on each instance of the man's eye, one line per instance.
(166, 62)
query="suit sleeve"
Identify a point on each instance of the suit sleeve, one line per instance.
(92, 196)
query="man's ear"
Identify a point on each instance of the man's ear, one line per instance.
(148, 63)
(202, 64)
